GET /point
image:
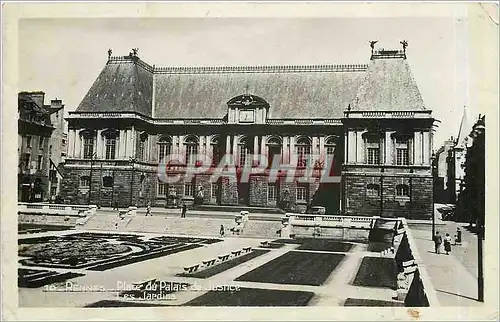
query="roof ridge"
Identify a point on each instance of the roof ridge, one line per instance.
(261, 69)
(239, 69)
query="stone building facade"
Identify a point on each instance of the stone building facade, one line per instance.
(367, 120)
(35, 135)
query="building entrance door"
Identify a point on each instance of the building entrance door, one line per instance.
(243, 193)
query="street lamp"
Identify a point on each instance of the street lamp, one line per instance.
(478, 143)
(132, 161)
(433, 173)
(92, 156)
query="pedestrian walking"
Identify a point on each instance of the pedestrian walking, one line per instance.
(148, 210)
(458, 237)
(115, 207)
(447, 244)
(184, 210)
(221, 230)
(438, 240)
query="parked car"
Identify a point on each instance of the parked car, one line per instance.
(317, 210)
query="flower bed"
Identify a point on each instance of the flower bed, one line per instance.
(38, 278)
(252, 297)
(301, 268)
(371, 303)
(377, 272)
(325, 245)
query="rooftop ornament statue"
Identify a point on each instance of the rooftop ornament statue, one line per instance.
(405, 44)
(372, 44)
(109, 53)
(134, 51)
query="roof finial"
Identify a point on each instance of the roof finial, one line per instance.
(110, 51)
(372, 44)
(405, 44)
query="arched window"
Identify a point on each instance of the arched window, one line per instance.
(372, 144)
(191, 148)
(243, 151)
(303, 150)
(402, 190)
(216, 149)
(107, 181)
(274, 149)
(330, 146)
(372, 190)
(164, 147)
(84, 181)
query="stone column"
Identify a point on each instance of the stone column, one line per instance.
(235, 149)
(182, 148)
(71, 143)
(121, 145)
(228, 144)
(201, 144)
(322, 148)
(426, 148)
(351, 139)
(388, 153)
(130, 143)
(417, 147)
(78, 146)
(208, 147)
(360, 153)
(285, 149)
(293, 153)
(100, 145)
(255, 147)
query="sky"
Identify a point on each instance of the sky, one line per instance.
(63, 57)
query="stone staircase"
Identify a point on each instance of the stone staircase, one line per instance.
(261, 228)
(195, 226)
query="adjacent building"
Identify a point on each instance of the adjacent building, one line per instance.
(36, 136)
(471, 200)
(449, 165)
(368, 119)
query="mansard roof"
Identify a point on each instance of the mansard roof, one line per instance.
(122, 86)
(292, 92)
(388, 85)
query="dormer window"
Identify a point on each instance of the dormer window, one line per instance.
(247, 109)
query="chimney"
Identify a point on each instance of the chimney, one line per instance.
(38, 97)
(56, 103)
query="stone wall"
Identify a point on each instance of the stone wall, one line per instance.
(418, 205)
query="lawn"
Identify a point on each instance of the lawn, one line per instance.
(40, 228)
(114, 303)
(301, 268)
(371, 303)
(377, 272)
(325, 245)
(252, 297)
(31, 278)
(224, 266)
